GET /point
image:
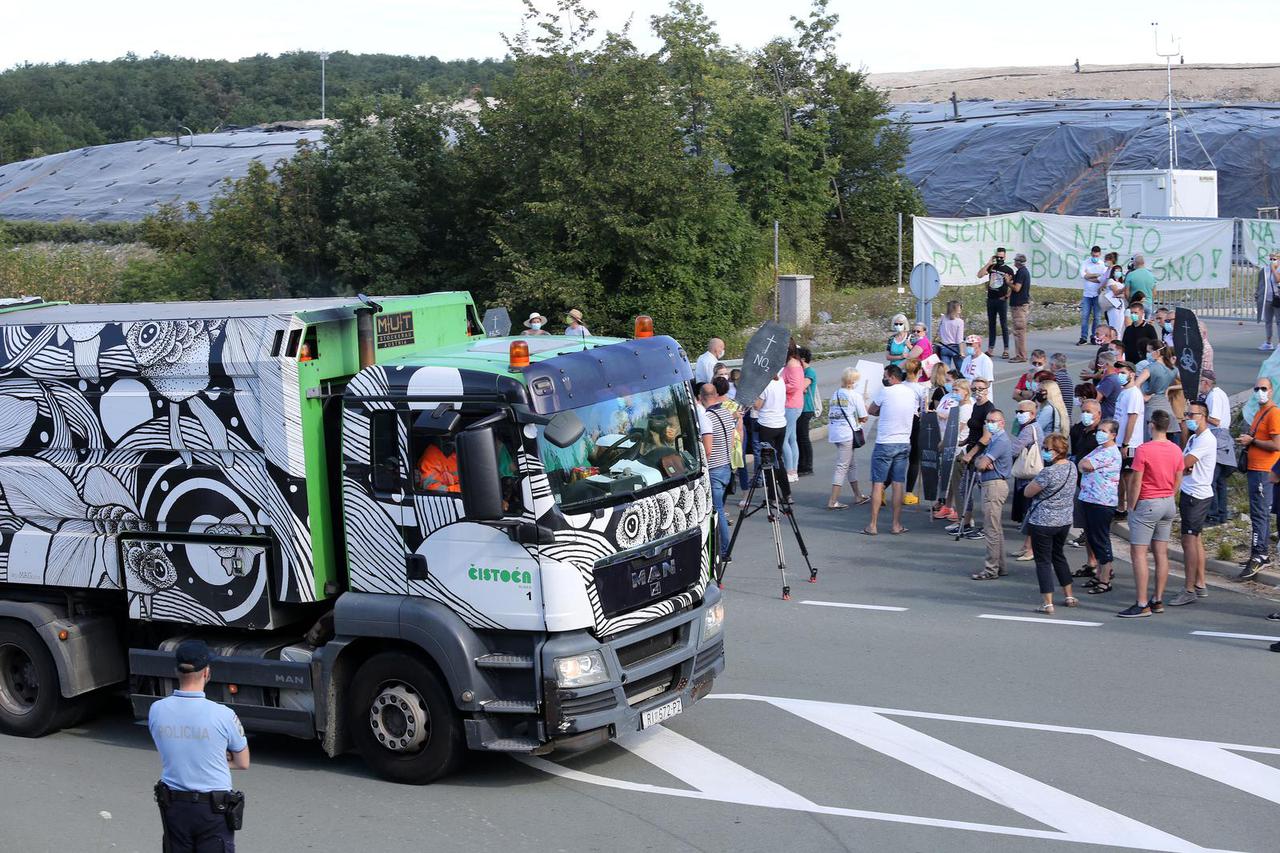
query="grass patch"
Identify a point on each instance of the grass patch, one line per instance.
(75, 272)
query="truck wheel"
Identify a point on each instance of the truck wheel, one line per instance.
(31, 704)
(402, 720)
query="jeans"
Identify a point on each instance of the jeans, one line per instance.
(1047, 544)
(720, 476)
(1270, 316)
(997, 308)
(1090, 316)
(1097, 530)
(790, 447)
(1218, 509)
(1259, 514)
(804, 444)
(750, 446)
(949, 354)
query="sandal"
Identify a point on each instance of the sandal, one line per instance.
(866, 532)
(1045, 608)
(986, 575)
(837, 506)
(1071, 601)
(865, 499)
(1085, 571)
(1099, 588)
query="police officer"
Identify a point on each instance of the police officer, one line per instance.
(199, 742)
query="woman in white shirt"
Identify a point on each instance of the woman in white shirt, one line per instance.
(846, 414)
(771, 425)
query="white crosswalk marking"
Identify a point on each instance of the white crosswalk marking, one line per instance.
(713, 777)
(1206, 759)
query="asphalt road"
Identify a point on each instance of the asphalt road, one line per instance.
(894, 705)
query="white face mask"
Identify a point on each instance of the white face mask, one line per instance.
(1024, 418)
(1262, 395)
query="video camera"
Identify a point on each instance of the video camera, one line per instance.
(768, 455)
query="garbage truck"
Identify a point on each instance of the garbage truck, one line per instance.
(398, 534)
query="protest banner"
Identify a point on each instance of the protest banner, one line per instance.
(1187, 254)
(1259, 238)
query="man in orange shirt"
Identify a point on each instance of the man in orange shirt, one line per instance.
(1263, 443)
(438, 468)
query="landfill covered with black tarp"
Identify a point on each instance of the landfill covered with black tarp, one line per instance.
(125, 181)
(1053, 156)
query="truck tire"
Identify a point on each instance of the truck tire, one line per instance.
(31, 703)
(402, 720)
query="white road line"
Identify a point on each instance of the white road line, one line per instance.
(1080, 819)
(1043, 621)
(1208, 760)
(856, 606)
(1230, 636)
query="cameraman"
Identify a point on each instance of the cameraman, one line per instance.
(999, 277)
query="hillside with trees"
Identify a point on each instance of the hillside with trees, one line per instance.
(45, 109)
(597, 176)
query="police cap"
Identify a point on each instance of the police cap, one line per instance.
(192, 655)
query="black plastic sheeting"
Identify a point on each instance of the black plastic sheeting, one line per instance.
(127, 180)
(1053, 156)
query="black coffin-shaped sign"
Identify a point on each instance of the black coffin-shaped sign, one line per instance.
(930, 447)
(497, 323)
(1189, 350)
(766, 354)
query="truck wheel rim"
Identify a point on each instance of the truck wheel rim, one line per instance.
(399, 718)
(19, 682)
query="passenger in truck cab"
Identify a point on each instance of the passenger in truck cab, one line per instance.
(438, 466)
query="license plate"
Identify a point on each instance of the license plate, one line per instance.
(663, 712)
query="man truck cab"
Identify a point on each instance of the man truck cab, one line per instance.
(397, 536)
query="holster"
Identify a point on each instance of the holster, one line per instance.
(162, 795)
(229, 804)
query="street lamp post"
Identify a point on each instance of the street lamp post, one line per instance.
(324, 57)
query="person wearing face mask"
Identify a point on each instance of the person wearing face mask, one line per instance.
(993, 458)
(1020, 306)
(1140, 280)
(955, 403)
(1083, 440)
(1113, 292)
(1219, 418)
(1099, 495)
(1028, 438)
(1130, 413)
(535, 324)
(1195, 499)
(1049, 520)
(1137, 334)
(976, 364)
(899, 345)
(1026, 387)
(1109, 386)
(1262, 444)
(1103, 337)
(1093, 273)
(998, 277)
(974, 426)
(1156, 477)
(1267, 297)
(1058, 364)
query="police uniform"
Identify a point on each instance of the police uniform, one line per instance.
(194, 736)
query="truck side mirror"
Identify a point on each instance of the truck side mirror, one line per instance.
(564, 429)
(478, 475)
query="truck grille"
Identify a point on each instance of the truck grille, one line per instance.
(639, 652)
(651, 685)
(647, 575)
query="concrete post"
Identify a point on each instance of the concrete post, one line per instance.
(793, 292)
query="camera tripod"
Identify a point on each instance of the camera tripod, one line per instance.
(772, 505)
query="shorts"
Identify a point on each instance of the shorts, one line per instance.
(1194, 512)
(1151, 520)
(889, 463)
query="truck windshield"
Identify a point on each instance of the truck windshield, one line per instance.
(630, 443)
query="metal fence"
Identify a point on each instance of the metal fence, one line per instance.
(1236, 301)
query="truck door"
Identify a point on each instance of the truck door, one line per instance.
(377, 498)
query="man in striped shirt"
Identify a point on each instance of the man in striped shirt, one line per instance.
(717, 426)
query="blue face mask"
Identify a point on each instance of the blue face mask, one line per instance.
(1046, 455)
(1193, 425)
(1102, 436)
(993, 428)
(1168, 327)
(973, 351)
(1122, 378)
(1086, 418)
(949, 387)
(1033, 385)
(1133, 318)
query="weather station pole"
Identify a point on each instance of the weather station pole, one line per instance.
(324, 57)
(1176, 46)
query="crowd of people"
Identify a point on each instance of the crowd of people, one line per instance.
(1121, 441)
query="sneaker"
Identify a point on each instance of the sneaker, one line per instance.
(1274, 617)
(952, 515)
(910, 499)
(1275, 647)
(1081, 342)
(1202, 592)
(1185, 597)
(1157, 606)
(1133, 611)
(1251, 569)
(953, 528)
(1078, 542)
(975, 533)
(1266, 347)
(940, 513)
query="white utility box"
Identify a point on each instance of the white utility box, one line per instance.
(1163, 192)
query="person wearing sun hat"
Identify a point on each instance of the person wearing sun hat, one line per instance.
(575, 327)
(535, 324)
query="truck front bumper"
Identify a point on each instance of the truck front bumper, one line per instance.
(649, 668)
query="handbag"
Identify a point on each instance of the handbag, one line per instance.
(1029, 461)
(859, 437)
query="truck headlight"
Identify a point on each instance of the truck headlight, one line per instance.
(582, 670)
(713, 621)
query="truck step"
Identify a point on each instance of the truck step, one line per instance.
(511, 744)
(504, 661)
(508, 706)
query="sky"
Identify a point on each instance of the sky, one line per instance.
(881, 36)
